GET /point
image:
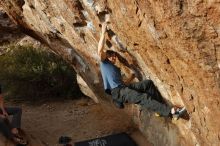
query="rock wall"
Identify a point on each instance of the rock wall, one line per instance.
(174, 43)
(9, 32)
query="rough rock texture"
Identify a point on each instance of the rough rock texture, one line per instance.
(9, 32)
(175, 43)
(85, 90)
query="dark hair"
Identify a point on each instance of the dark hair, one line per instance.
(110, 53)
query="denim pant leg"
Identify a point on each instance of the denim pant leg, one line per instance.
(147, 86)
(145, 100)
(16, 113)
(5, 128)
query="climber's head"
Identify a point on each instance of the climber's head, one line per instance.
(111, 56)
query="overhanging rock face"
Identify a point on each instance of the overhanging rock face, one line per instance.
(9, 32)
(174, 43)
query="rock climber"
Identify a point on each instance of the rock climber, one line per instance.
(143, 93)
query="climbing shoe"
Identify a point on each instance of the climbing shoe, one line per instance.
(178, 112)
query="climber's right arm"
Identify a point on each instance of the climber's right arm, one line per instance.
(101, 51)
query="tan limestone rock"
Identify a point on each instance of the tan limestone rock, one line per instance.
(174, 43)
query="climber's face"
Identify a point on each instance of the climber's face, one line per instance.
(112, 58)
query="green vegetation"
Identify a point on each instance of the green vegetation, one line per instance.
(28, 72)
